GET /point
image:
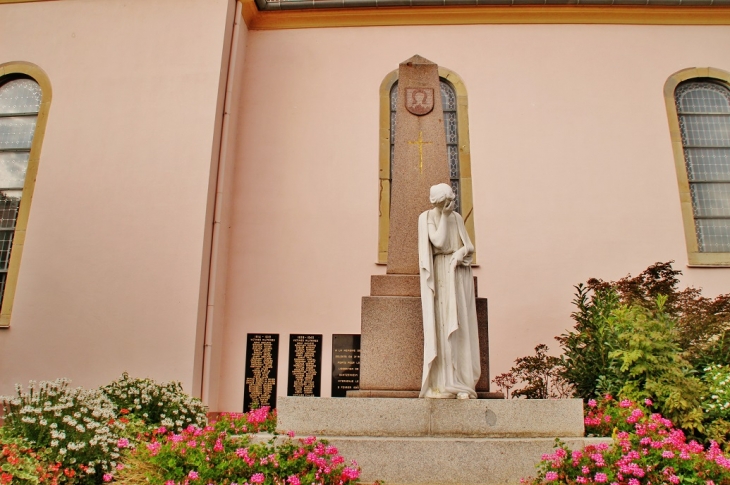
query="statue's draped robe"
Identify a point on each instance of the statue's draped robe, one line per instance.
(451, 341)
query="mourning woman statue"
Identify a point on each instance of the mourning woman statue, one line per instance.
(451, 364)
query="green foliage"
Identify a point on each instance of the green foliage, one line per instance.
(586, 348)
(156, 404)
(702, 323)
(647, 363)
(75, 428)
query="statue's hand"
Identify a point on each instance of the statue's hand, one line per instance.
(448, 208)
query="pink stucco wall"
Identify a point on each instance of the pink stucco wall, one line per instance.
(573, 177)
(114, 273)
(571, 158)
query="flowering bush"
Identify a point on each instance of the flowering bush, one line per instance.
(215, 455)
(646, 449)
(156, 404)
(20, 465)
(717, 404)
(258, 420)
(75, 428)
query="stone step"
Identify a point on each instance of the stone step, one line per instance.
(442, 461)
(393, 417)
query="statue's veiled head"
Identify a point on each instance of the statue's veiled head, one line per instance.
(441, 193)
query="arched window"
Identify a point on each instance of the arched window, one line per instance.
(24, 100)
(698, 104)
(456, 123)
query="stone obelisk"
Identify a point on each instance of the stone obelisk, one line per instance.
(391, 354)
(419, 161)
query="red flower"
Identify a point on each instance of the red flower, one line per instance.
(124, 411)
(6, 478)
(69, 472)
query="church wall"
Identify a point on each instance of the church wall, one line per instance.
(573, 173)
(114, 271)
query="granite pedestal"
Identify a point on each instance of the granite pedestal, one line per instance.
(391, 346)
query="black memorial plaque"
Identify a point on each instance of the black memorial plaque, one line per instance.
(345, 364)
(305, 365)
(262, 358)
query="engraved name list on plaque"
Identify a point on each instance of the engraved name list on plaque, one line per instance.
(262, 357)
(305, 365)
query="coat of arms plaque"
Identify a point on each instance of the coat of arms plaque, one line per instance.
(419, 101)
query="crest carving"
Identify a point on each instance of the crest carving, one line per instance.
(419, 101)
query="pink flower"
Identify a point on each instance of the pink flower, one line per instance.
(193, 475)
(648, 402)
(154, 447)
(108, 477)
(551, 476)
(585, 470)
(123, 443)
(294, 480)
(581, 480)
(667, 454)
(625, 403)
(592, 403)
(120, 466)
(601, 478)
(674, 479)
(309, 440)
(290, 434)
(350, 473)
(257, 477)
(192, 444)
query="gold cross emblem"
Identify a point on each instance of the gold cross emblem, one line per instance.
(420, 144)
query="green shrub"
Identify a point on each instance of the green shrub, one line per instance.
(647, 363)
(156, 404)
(586, 349)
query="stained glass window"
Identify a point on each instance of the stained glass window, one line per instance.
(448, 102)
(20, 101)
(703, 107)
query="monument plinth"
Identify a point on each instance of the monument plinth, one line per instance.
(391, 351)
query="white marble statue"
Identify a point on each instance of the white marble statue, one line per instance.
(451, 365)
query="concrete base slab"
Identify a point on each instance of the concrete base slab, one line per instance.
(441, 461)
(431, 417)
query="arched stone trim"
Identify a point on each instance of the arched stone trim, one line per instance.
(16, 251)
(695, 257)
(467, 201)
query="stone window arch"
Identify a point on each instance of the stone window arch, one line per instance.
(25, 96)
(455, 102)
